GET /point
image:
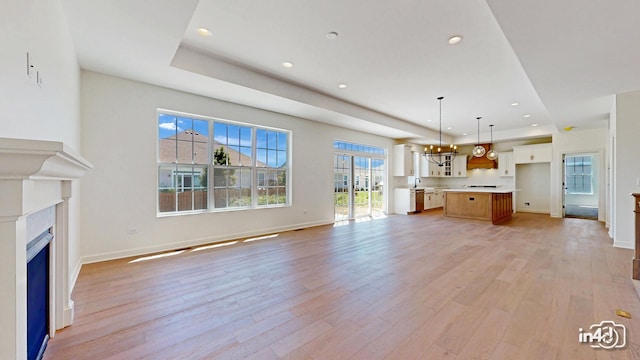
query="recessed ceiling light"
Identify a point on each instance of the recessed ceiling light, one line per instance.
(534, 125)
(342, 86)
(287, 64)
(332, 35)
(429, 120)
(515, 104)
(527, 116)
(204, 32)
(465, 134)
(455, 39)
(449, 128)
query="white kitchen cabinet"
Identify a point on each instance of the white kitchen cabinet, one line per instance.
(446, 170)
(433, 199)
(460, 166)
(428, 200)
(402, 160)
(529, 154)
(506, 166)
(438, 198)
(455, 168)
(427, 168)
(402, 201)
(405, 201)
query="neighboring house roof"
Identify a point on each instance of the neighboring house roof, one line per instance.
(190, 142)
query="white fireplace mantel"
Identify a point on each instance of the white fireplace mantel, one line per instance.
(40, 160)
(34, 175)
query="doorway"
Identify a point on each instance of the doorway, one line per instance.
(581, 186)
(358, 181)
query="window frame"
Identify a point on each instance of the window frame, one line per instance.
(567, 176)
(210, 167)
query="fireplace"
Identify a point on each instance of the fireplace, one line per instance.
(36, 185)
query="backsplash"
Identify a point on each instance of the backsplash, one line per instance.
(474, 177)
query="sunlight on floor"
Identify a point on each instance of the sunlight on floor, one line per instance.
(157, 256)
(261, 238)
(359, 220)
(206, 247)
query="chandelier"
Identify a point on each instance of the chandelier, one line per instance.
(436, 155)
(478, 150)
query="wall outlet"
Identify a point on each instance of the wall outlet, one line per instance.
(305, 212)
(527, 204)
(132, 231)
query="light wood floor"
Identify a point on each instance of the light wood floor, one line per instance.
(405, 287)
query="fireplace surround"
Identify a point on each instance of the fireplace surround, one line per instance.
(34, 175)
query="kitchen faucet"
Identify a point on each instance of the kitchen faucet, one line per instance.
(415, 182)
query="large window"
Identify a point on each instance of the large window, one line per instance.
(248, 163)
(579, 174)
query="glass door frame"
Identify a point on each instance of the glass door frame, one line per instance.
(369, 180)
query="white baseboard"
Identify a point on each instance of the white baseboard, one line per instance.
(74, 275)
(535, 211)
(624, 245)
(195, 242)
(68, 314)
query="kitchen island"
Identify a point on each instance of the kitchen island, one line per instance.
(493, 204)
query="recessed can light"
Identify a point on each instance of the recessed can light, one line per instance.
(429, 120)
(455, 39)
(449, 128)
(204, 32)
(332, 35)
(515, 104)
(287, 64)
(464, 134)
(342, 86)
(534, 125)
(527, 116)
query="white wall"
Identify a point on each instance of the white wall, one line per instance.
(120, 136)
(626, 129)
(50, 111)
(533, 184)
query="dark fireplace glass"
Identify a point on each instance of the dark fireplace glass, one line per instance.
(38, 296)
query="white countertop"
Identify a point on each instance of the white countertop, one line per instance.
(482, 190)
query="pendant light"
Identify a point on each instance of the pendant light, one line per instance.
(437, 156)
(478, 150)
(491, 155)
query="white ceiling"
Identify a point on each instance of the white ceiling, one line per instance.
(561, 60)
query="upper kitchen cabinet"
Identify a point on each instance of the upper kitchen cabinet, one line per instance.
(427, 168)
(455, 168)
(506, 165)
(402, 160)
(460, 166)
(529, 154)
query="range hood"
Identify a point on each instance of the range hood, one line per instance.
(482, 162)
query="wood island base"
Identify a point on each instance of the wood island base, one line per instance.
(493, 206)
